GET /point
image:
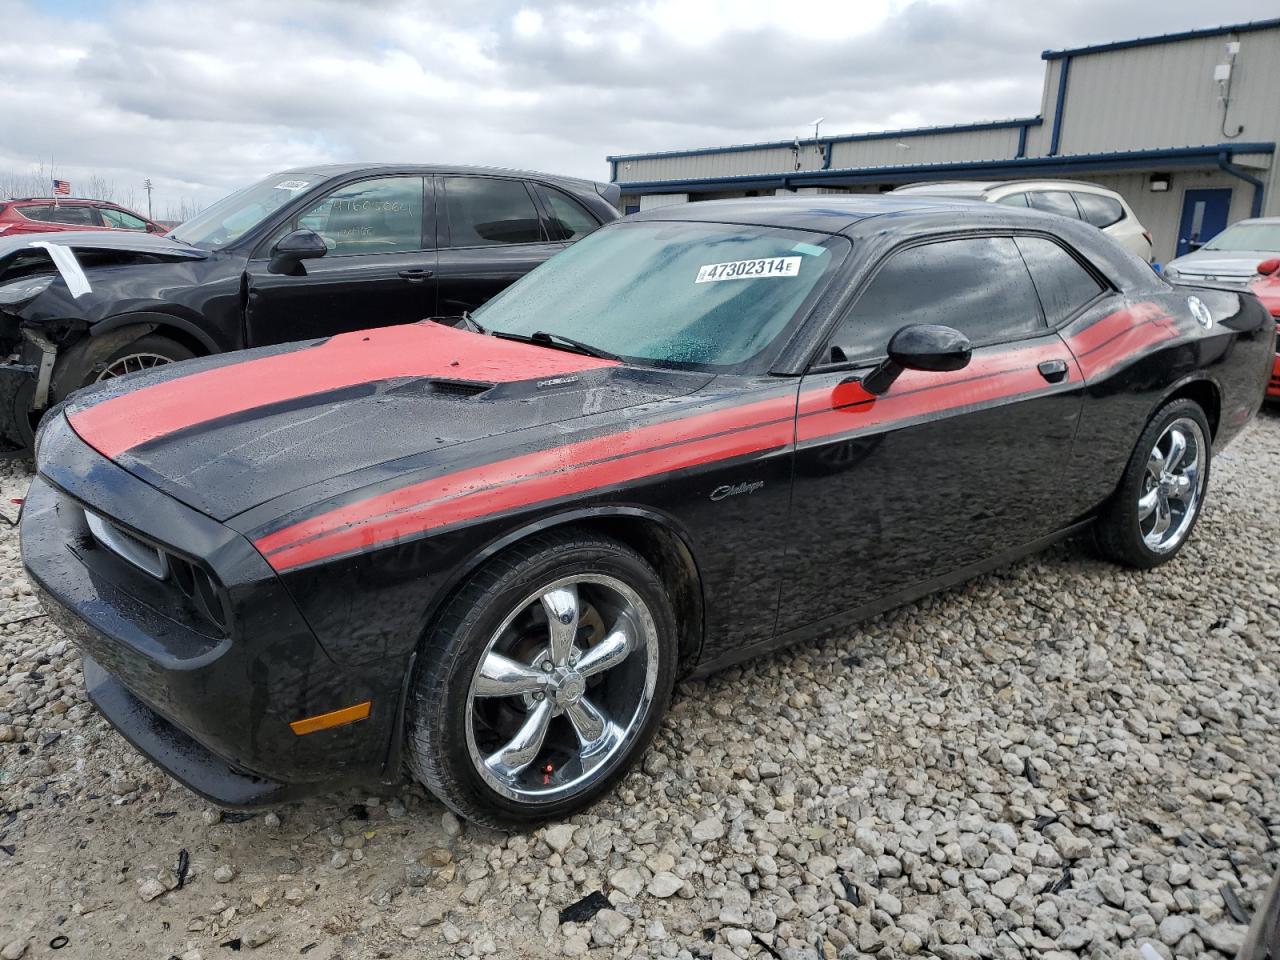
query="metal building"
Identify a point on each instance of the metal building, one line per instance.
(1184, 125)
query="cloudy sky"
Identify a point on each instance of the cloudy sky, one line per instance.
(205, 97)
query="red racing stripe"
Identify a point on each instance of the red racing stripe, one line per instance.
(646, 451)
(416, 350)
(693, 441)
(499, 497)
(999, 376)
(660, 437)
(1147, 326)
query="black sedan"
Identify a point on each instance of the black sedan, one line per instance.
(698, 434)
(303, 253)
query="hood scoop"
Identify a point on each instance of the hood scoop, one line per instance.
(429, 387)
(459, 388)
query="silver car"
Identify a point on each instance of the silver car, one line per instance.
(1105, 209)
(1232, 257)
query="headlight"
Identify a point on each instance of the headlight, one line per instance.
(20, 291)
(1170, 273)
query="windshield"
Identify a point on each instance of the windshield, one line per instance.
(1247, 236)
(234, 216)
(698, 295)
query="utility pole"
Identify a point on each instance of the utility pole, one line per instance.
(146, 185)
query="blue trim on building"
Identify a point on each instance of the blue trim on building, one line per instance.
(1213, 155)
(1251, 26)
(1022, 122)
(1055, 139)
(1259, 189)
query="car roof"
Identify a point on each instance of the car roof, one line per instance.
(69, 201)
(329, 170)
(825, 213)
(977, 188)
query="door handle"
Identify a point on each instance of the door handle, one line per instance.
(416, 274)
(1055, 371)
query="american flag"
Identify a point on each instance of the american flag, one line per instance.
(62, 188)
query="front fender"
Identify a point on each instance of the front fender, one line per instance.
(150, 321)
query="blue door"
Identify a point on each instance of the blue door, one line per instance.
(1204, 216)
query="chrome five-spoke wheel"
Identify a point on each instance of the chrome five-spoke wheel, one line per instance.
(562, 687)
(1172, 487)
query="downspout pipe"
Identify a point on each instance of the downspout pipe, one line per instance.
(826, 155)
(1056, 138)
(1259, 188)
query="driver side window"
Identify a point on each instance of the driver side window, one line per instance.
(977, 285)
(371, 216)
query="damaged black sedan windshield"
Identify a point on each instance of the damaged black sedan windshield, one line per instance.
(231, 217)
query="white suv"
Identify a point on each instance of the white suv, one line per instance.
(1104, 208)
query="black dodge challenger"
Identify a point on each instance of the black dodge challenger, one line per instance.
(488, 550)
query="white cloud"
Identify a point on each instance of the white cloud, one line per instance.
(528, 23)
(203, 98)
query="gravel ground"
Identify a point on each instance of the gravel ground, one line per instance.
(1061, 759)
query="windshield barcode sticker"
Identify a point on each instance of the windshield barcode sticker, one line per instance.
(747, 269)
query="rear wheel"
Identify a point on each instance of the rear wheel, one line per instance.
(543, 680)
(1161, 494)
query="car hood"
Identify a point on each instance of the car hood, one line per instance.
(108, 240)
(229, 433)
(96, 274)
(1234, 264)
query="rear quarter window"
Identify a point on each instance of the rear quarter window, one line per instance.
(1014, 200)
(1055, 201)
(568, 220)
(1099, 210)
(1064, 284)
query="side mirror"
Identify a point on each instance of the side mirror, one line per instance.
(920, 346)
(1269, 267)
(287, 255)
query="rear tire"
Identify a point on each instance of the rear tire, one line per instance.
(542, 681)
(1161, 495)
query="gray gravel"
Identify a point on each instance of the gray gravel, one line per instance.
(1061, 759)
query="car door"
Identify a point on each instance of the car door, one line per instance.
(490, 235)
(379, 269)
(945, 469)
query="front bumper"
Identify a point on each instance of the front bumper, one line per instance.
(210, 705)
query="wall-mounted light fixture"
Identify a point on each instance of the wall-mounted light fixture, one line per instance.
(1158, 182)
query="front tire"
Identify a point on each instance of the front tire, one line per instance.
(1151, 516)
(93, 360)
(542, 681)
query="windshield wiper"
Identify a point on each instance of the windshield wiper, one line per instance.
(559, 342)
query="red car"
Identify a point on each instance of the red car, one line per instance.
(44, 214)
(1267, 287)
